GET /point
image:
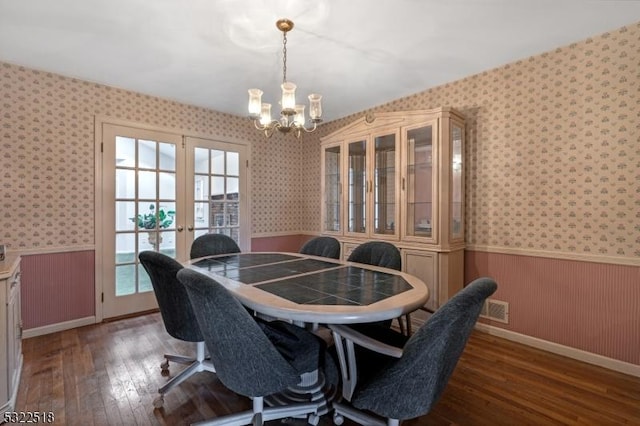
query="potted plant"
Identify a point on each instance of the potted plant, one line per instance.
(152, 221)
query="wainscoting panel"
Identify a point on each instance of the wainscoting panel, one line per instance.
(589, 306)
(57, 287)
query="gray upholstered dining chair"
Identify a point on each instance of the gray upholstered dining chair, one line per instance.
(253, 358)
(407, 381)
(377, 253)
(212, 244)
(386, 255)
(322, 246)
(178, 318)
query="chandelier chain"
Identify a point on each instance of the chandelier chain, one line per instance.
(284, 57)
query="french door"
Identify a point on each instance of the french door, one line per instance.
(159, 191)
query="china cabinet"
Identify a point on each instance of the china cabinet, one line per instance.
(10, 332)
(399, 177)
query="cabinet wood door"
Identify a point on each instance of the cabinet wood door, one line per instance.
(424, 265)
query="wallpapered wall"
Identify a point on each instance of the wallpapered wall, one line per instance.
(47, 156)
(553, 149)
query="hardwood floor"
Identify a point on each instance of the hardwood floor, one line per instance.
(108, 374)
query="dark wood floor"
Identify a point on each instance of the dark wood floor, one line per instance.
(108, 374)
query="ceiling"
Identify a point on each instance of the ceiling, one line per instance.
(356, 53)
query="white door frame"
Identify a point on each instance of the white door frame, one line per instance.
(99, 123)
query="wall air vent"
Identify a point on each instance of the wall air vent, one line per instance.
(495, 310)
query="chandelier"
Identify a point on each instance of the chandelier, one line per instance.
(292, 117)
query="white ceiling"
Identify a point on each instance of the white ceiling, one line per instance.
(356, 53)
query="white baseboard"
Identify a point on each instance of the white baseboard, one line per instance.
(569, 352)
(61, 326)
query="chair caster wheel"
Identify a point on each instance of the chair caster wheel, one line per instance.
(338, 419)
(165, 365)
(158, 402)
(313, 419)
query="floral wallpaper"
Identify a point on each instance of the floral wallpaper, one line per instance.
(552, 150)
(47, 156)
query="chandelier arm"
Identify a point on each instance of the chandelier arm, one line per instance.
(315, 125)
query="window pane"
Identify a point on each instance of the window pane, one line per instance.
(233, 163)
(217, 214)
(125, 215)
(201, 161)
(217, 188)
(201, 188)
(147, 154)
(125, 183)
(167, 156)
(125, 248)
(167, 186)
(144, 282)
(146, 184)
(125, 280)
(217, 162)
(168, 243)
(166, 215)
(201, 215)
(233, 214)
(232, 188)
(125, 152)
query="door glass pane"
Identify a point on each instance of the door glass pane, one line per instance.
(216, 192)
(217, 162)
(146, 185)
(144, 282)
(456, 183)
(125, 183)
(125, 152)
(144, 218)
(233, 163)
(125, 279)
(357, 187)
(125, 215)
(420, 178)
(147, 154)
(201, 215)
(201, 160)
(332, 190)
(233, 185)
(167, 156)
(167, 186)
(384, 185)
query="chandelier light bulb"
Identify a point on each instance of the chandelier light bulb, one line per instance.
(255, 102)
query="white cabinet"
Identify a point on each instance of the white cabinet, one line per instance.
(10, 332)
(399, 177)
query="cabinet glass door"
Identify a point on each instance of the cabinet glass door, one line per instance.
(358, 187)
(420, 182)
(457, 197)
(332, 189)
(384, 185)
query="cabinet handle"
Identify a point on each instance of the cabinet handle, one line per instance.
(403, 184)
(180, 228)
(189, 228)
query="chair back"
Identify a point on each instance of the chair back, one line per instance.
(412, 384)
(246, 361)
(377, 253)
(212, 244)
(322, 246)
(175, 307)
